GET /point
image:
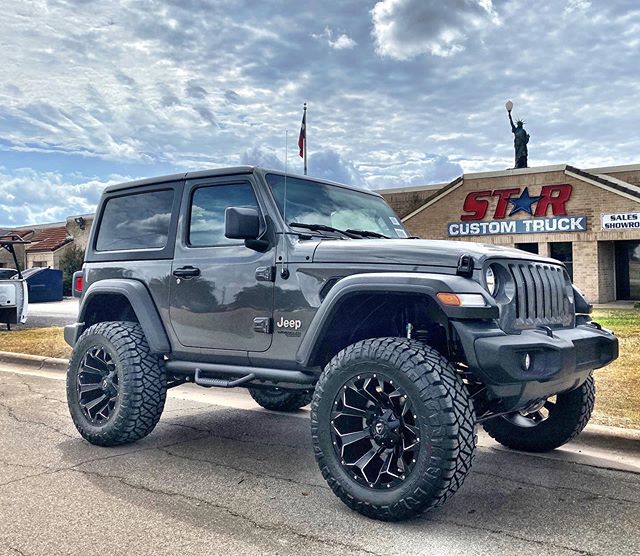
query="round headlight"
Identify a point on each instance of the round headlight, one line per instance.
(491, 280)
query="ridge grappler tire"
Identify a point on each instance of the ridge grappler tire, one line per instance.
(277, 399)
(550, 426)
(393, 428)
(116, 389)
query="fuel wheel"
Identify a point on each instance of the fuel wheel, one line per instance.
(393, 428)
(374, 430)
(97, 385)
(116, 388)
(551, 424)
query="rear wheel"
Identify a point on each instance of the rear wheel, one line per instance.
(277, 399)
(393, 428)
(116, 388)
(554, 423)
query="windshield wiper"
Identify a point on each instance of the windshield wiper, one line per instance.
(322, 228)
(367, 233)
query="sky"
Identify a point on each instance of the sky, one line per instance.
(399, 92)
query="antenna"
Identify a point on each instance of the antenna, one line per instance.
(286, 159)
(284, 271)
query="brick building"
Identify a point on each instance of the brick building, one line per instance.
(589, 219)
(49, 242)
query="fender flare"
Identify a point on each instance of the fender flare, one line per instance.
(393, 282)
(141, 302)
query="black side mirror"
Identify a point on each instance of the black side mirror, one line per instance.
(241, 223)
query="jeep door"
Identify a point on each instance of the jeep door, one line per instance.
(217, 302)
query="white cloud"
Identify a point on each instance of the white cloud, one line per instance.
(135, 87)
(341, 42)
(404, 29)
(31, 197)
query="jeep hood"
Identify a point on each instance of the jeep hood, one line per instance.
(413, 252)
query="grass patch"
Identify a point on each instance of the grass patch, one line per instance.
(48, 342)
(618, 385)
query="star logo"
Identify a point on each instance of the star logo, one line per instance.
(524, 202)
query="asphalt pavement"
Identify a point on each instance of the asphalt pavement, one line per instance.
(221, 476)
(54, 313)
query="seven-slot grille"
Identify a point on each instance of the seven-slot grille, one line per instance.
(541, 295)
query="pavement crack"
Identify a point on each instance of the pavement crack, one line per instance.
(242, 470)
(16, 550)
(24, 465)
(236, 439)
(557, 487)
(54, 470)
(232, 512)
(12, 415)
(495, 531)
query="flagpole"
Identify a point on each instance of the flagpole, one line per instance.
(306, 135)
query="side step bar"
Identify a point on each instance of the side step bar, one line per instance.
(245, 373)
(221, 382)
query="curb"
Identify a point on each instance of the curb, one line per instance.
(34, 361)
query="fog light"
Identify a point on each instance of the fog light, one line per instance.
(526, 361)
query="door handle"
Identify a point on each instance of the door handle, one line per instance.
(186, 272)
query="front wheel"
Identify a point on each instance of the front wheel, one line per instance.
(553, 424)
(393, 428)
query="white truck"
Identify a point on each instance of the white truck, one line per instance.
(14, 297)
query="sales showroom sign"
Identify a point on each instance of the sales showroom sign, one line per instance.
(621, 221)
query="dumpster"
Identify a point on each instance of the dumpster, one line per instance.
(44, 284)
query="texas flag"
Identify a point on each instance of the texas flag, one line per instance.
(302, 138)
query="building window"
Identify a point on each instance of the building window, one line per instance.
(563, 252)
(628, 270)
(39, 264)
(528, 247)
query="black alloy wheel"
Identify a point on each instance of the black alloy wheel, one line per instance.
(375, 431)
(554, 423)
(97, 385)
(393, 427)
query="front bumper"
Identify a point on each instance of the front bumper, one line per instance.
(560, 361)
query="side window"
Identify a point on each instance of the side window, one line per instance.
(206, 225)
(139, 221)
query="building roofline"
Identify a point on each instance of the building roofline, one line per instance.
(411, 189)
(619, 168)
(444, 191)
(614, 185)
(515, 171)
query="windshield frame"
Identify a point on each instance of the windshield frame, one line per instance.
(327, 183)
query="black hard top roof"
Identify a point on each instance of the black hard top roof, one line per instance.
(217, 172)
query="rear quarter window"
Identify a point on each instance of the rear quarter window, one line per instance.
(137, 221)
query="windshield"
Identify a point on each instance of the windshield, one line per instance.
(311, 202)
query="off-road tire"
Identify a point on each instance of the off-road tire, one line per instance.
(277, 399)
(142, 383)
(571, 415)
(446, 421)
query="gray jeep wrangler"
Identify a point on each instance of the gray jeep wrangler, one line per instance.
(305, 291)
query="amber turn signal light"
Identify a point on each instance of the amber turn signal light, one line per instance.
(449, 299)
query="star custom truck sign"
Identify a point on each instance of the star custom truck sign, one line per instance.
(547, 210)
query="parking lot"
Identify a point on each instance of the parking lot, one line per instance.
(55, 313)
(220, 475)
